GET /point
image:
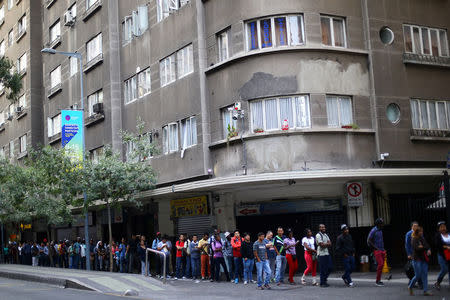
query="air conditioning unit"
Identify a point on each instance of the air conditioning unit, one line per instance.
(98, 108)
(9, 116)
(69, 19)
(19, 109)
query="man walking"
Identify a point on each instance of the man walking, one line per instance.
(408, 246)
(262, 261)
(323, 244)
(346, 248)
(280, 249)
(375, 240)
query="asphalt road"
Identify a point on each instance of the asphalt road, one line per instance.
(13, 289)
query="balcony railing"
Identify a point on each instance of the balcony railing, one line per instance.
(420, 59)
(430, 133)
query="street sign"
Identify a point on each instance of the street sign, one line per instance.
(354, 194)
(248, 210)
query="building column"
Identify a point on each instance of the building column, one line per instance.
(224, 212)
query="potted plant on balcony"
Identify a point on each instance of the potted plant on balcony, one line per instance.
(231, 132)
(350, 126)
(258, 130)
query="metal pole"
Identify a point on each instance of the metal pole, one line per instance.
(447, 194)
(146, 263)
(86, 215)
(1, 251)
(244, 152)
(164, 266)
(356, 215)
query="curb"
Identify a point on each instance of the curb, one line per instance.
(60, 282)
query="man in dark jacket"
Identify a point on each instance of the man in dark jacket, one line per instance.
(346, 249)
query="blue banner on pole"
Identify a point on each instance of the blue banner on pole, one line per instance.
(72, 133)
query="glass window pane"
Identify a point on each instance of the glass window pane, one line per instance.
(424, 114)
(286, 112)
(433, 115)
(346, 111)
(407, 38)
(415, 114)
(339, 34)
(302, 111)
(434, 42)
(444, 42)
(416, 36)
(295, 30)
(252, 36)
(257, 115)
(326, 30)
(281, 31)
(442, 115)
(425, 41)
(266, 33)
(332, 112)
(271, 114)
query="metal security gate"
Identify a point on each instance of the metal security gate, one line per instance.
(194, 225)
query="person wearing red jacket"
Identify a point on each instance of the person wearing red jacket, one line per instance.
(236, 243)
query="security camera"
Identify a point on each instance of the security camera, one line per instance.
(235, 116)
(383, 156)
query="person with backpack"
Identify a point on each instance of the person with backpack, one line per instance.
(203, 246)
(236, 243)
(323, 242)
(443, 252)
(310, 257)
(346, 249)
(375, 241)
(217, 249)
(420, 258)
(280, 249)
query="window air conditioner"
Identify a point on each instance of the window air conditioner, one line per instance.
(9, 116)
(19, 109)
(69, 20)
(98, 108)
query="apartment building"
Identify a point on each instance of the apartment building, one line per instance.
(288, 113)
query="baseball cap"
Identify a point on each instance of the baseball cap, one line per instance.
(343, 226)
(227, 234)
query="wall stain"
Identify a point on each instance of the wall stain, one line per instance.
(266, 85)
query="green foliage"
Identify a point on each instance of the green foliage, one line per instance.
(231, 132)
(141, 143)
(11, 81)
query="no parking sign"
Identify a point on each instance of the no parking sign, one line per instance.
(354, 194)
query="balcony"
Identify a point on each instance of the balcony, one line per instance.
(94, 119)
(55, 43)
(430, 135)
(54, 138)
(54, 90)
(2, 127)
(427, 60)
(93, 63)
(20, 35)
(91, 10)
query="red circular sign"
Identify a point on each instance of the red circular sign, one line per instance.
(354, 189)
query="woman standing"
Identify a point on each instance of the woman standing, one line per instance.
(291, 255)
(248, 257)
(421, 253)
(443, 247)
(310, 257)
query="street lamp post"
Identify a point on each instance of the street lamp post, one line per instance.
(86, 216)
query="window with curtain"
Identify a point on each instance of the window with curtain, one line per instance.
(11, 149)
(22, 63)
(170, 138)
(22, 25)
(94, 48)
(73, 64)
(429, 114)
(333, 31)
(55, 77)
(130, 90)
(339, 111)
(425, 40)
(93, 99)
(167, 70)
(185, 61)
(269, 114)
(23, 101)
(55, 31)
(222, 45)
(144, 82)
(54, 125)
(23, 143)
(189, 132)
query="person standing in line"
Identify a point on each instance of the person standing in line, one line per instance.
(76, 253)
(228, 253)
(123, 255)
(155, 247)
(83, 254)
(141, 252)
(310, 257)
(262, 262)
(271, 254)
(187, 257)
(195, 258)
(280, 249)
(408, 246)
(27, 252)
(92, 254)
(375, 240)
(165, 246)
(203, 246)
(443, 249)
(421, 253)
(180, 269)
(132, 252)
(249, 258)
(236, 243)
(211, 254)
(346, 248)
(217, 249)
(323, 245)
(291, 255)
(35, 255)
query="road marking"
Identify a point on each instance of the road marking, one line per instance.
(144, 283)
(112, 284)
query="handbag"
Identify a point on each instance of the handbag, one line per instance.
(447, 254)
(409, 270)
(314, 256)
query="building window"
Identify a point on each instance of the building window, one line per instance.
(94, 48)
(10, 38)
(430, 114)
(2, 153)
(10, 4)
(228, 122)
(136, 24)
(23, 101)
(2, 48)
(2, 118)
(144, 82)
(95, 154)
(22, 63)
(73, 10)
(189, 132)
(89, 3)
(55, 31)
(73, 64)
(93, 99)
(55, 77)
(270, 114)
(425, 40)
(185, 61)
(11, 110)
(22, 25)
(130, 90)
(275, 32)
(167, 70)
(165, 7)
(54, 125)
(170, 138)
(393, 113)
(2, 13)
(223, 45)
(11, 149)
(23, 143)
(127, 28)
(333, 31)
(339, 111)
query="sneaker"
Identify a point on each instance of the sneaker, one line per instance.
(211, 280)
(245, 282)
(278, 283)
(315, 283)
(345, 280)
(236, 281)
(303, 281)
(266, 286)
(203, 278)
(260, 288)
(292, 283)
(379, 283)
(427, 294)
(232, 280)
(184, 277)
(437, 286)
(252, 281)
(325, 285)
(175, 278)
(351, 284)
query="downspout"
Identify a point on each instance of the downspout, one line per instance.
(373, 100)
(202, 65)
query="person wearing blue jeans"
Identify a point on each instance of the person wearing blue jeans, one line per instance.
(249, 259)
(262, 261)
(421, 252)
(443, 245)
(123, 252)
(345, 248)
(195, 257)
(236, 243)
(323, 243)
(280, 249)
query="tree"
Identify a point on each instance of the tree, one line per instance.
(11, 81)
(113, 180)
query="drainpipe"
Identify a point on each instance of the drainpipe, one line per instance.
(373, 99)
(202, 65)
